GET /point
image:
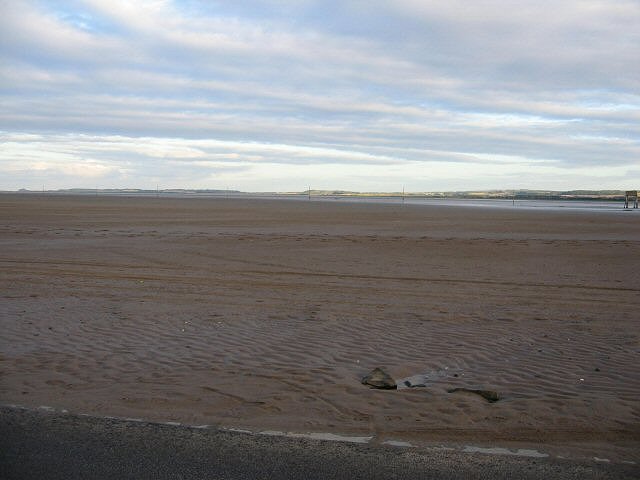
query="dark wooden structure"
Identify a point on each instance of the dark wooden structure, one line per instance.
(631, 195)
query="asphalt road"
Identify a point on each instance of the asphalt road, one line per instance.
(49, 445)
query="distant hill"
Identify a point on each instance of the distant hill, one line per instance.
(133, 191)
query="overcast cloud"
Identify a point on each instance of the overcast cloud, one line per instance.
(279, 94)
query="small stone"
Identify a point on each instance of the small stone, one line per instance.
(378, 378)
(597, 369)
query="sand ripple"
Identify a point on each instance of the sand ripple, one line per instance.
(272, 325)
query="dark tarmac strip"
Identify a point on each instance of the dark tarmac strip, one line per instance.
(50, 445)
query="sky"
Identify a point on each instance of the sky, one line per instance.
(280, 95)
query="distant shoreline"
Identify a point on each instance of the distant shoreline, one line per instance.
(570, 195)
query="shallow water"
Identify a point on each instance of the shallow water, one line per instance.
(560, 205)
(616, 206)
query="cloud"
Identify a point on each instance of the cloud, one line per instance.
(182, 88)
(115, 161)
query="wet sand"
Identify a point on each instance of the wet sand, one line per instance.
(265, 314)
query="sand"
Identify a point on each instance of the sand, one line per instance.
(265, 314)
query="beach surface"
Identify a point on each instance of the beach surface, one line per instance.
(264, 315)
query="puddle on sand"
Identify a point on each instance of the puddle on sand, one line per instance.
(520, 452)
(604, 460)
(318, 436)
(425, 379)
(397, 443)
(237, 430)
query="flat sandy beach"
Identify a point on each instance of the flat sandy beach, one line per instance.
(265, 314)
